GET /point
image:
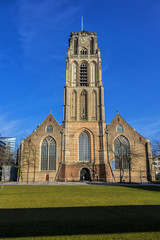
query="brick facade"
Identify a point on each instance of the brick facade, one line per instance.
(83, 131)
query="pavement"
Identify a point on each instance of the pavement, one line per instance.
(85, 183)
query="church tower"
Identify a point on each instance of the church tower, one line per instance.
(83, 112)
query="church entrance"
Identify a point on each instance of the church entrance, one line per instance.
(85, 174)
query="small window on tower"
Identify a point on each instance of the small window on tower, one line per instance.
(84, 51)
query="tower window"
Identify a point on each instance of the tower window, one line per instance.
(84, 147)
(84, 51)
(83, 98)
(48, 154)
(83, 74)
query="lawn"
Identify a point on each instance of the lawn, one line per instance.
(80, 212)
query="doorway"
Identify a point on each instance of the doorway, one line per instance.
(85, 174)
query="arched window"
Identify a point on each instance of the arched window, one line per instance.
(120, 128)
(75, 46)
(93, 74)
(48, 154)
(84, 147)
(122, 152)
(94, 105)
(83, 102)
(84, 51)
(74, 74)
(83, 74)
(92, 46)
(49, 128)
(73, 105)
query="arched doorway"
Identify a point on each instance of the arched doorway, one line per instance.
(85, 174)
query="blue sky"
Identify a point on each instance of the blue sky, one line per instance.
(33, 47)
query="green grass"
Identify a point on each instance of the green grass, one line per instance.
(80, 212)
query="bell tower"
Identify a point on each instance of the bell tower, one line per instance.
(83, 109)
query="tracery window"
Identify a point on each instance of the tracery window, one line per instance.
(83, 74)
(83, 102)
(122, 152)
(49, 128)
(48, 154)
(84, 147)
(120, 128)
(94, 105)
(84, 51)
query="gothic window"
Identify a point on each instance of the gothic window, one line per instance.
(93, 74)
(83, 74)
(73, 105)
(83, 101)
(84, 147)
(75, 46)
(49, 128)
(74, 74)
(122, 152)
(84, 51)
(94, 105)
(120, 128)
(92, 46)
(48, 154)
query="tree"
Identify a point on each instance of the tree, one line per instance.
(28, 154)
(124, 154)
(6, 158)
(156, 148)
(156, 155)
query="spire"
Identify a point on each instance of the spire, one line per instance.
(82, 24)
(117, 111)
(50, 111)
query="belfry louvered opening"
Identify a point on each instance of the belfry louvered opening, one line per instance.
(83, 74)
(48, 154)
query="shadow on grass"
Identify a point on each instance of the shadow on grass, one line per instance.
(78, 220)
(142, 187)
(131, 185)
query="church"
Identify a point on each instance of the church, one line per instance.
(84, 147)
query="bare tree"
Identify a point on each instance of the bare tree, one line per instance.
(27, 155)
(156, 148)
(6, 158)
(156, 157)
(123, 154)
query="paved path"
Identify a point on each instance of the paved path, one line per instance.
(79, 184)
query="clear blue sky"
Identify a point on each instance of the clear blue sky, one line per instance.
(33, 47)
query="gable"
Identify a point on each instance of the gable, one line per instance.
(42, 128)
(128, 131)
